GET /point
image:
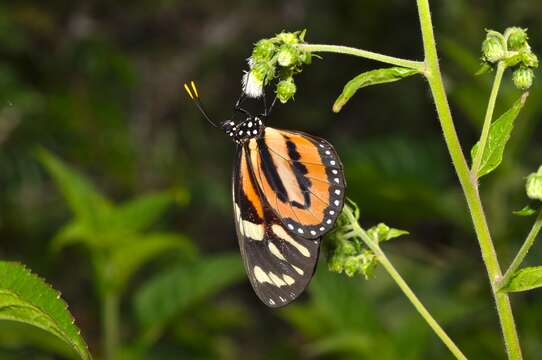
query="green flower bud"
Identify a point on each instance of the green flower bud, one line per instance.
(529, 59)
(286, 90)
(352, 266)
(264, 71)
(335, 264)
(287, 55)
(523, 78)
(493, 49)
(288, 38)
(263, 50)
(517, 38)
(534, 185)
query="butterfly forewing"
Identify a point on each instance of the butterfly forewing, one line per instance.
(301, 179)
(279, 264)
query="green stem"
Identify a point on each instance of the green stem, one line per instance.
(388, 266)
(468, 184)
(416, 65)
(488, 118)
(529, 241)
(110, 321)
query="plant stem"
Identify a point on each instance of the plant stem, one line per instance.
(468, 183)
(388, 266)
(488, 118)
(110, 321)
(529, 241)
(416, 65)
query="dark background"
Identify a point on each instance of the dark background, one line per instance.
(99, 84)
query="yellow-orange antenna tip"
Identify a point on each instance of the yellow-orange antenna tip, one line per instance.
(188, 91)
(195, 89)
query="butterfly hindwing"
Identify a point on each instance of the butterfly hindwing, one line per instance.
(300, 177)
(278, 263)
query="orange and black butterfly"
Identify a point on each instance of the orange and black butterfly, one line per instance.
(288, 189)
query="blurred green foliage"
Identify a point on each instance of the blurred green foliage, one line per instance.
(99, 84)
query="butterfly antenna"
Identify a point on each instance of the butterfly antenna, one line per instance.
(194, 95)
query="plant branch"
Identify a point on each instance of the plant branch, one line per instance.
(488, 118)
(468, 184)
(110, 321)
(416, 65)
(388, 266)
(529, 241)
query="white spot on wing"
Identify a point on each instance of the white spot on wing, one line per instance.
(275, 251)
(261, 276)
(276, 280)
(298, 270)
(288, 279)
(282, 234)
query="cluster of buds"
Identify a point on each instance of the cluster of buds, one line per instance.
(279, 58)
(513, 49)
(346, 246)
(345, 250)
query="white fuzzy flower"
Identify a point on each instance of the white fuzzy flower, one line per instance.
(252, 86)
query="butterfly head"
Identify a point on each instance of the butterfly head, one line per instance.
(240, 132)
(249, 128)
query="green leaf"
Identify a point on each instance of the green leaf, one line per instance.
(526, 211)
(499, 133)
(84, 200)
(373, 77)
(176, 289)
(525, 279)
(72, 233)
(140, 213)
(26, 298)
(130, 256)
(383, 232)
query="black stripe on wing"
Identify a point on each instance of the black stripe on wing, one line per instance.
(279, 265)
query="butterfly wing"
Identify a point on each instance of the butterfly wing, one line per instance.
(301, 179)
(279, 265)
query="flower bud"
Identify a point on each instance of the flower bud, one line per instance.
(287, 56)
(492, 49)
(264, 71)
(263, 50)
(529, 59)
(523, 78)
(288, 38)
(517, 38)
(534, 185)
(286, 90)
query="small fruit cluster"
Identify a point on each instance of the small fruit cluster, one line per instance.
(511, 48)
(280, 58)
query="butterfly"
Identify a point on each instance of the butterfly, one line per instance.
(288, 190)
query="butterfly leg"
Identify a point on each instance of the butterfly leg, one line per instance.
(238, 107)
(267, 111)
